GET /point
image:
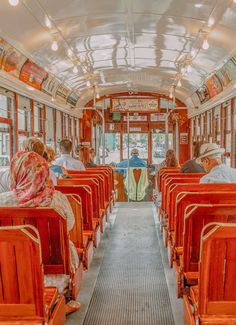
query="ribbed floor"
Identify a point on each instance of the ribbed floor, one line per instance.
(131, 286)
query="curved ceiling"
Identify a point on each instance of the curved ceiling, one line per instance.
(123, 44)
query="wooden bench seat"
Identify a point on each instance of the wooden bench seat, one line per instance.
(23, 297)
(213, 301)
(52, 228)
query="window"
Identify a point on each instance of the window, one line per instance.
(5, 148)
(136, 140)
(50, 126)
(58, 129)
(112, 148)
(217, 124)
(66, 126)
(24, 123)
(3, 106)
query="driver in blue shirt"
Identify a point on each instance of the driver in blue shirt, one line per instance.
(134, 161)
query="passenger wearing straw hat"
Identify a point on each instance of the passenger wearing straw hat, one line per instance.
(211, 159)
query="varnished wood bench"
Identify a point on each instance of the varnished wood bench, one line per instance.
(213, 300)
(23, 297)
(52, 228)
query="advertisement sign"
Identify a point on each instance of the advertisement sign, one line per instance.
(214, 86)
(50, 85)
(33, 75)
(63, 92)
(134, 105)
(203, 94)
(72, 99)
(10, 59)
(227, 73)
(158, 117)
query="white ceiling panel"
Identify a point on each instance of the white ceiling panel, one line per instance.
(143, 42)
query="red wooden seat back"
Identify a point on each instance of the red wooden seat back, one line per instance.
(94, 190)
(137, 173)
(172, 181)
(196, 217)
(175, 195)
(162, 172)
(94, 171)
(189, 198)
(85, 193)
(217, 294)
(76, 233)
(21, 289)
(52, 229)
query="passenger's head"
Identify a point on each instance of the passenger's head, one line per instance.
(171, 160)
(65, 146)
(210, 156)
(92, 153)
(196, 149)
(51, 154)
(134, 152)
(77, 149)
(84, 155)
(33, 144)
(30, 179)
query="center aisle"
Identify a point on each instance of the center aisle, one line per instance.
(131, 287)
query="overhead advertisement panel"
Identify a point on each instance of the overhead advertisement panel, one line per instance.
(203, 94)
(33, 75)
(10, 59)
(134, 105)
(227, 73)
(50, 85)
(63, 93)
(214, 86)
(72, 99)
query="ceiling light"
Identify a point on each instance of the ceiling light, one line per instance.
(13, 3)
(211, 22)
(189, 68)
(54, 46)
(193, 52)
(171, 96)
(75, 69)
(198, 5)
(70, 53)
(30, 88)
(88, 83)
(98, 96)
(205, 44)
(234, 1)
(53, 99)
(48, 23)
(179, 84)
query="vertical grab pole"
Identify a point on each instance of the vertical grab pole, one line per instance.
(167, 128)
(103, 133)
(128, 152)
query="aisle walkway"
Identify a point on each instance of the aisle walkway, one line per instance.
(131, 286)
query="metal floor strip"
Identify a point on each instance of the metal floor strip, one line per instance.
(131, 286)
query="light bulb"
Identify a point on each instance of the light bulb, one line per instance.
(211, 22)
(54, 46)
(48, 23)
(234, 1)
(205, 44)
(13, 3)
(75, 69)
(171, 96)
(53, 99)
(98, 96)
(88, 83)
(70, 53)
(198, 5)
(189, 68)
(193, 52)
(179, 84)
